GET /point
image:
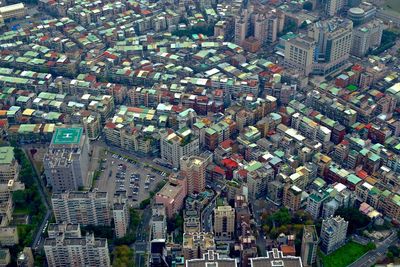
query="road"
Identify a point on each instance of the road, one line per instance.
(370, 258)
(141, 246)
(37, 241)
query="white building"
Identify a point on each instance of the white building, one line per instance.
(333, 234)
(178, 144)
(367, 36)
(87, 208)
(66, 163)
(76, 251)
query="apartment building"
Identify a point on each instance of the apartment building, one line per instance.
(367, 37)
(62, 251)
(309, 245)
(8, 236)
(121, 219)
(333, 234)
(194, 169)
(9, 167)
(87, 208)
(66, 163)
(15, 11)
(224, 223)
(178, 144)
(292, 197)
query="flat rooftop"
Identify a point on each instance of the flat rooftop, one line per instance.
(6, 154)
(67, 136)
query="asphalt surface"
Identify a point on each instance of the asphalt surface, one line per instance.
(370, 258)
(141, 246)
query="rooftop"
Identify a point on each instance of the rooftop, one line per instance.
(67, 136)
(6, 154)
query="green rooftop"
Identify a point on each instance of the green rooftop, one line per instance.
(67, 136)
(6, 154)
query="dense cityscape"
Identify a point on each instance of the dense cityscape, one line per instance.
(199, 133)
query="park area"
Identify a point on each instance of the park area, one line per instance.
(345, 255)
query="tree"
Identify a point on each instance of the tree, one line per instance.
(123, 256)
(355, 218)
(308, 6)
(394, 250)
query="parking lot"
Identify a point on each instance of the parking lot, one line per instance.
(124, 176)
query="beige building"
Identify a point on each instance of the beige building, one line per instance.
(194, 169)
(121, 219)
(13, 11)
(333, 44)
(292, 197)
(92, 126)
(211, 258)
(178, 144)
(87, 208)
(299, 54)
(8, 236)
(196, 244)
(224, 223)
(9, 167)
(77, 251)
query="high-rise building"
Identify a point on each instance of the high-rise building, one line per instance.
(63, 251)
(299, 53)
(66, 162)
(332, 7)
(366, 37)
(333, 234)
(158, 222)
(178, 144)
(292, 197)
(241, 27)
(309, 245)
(121, 219)
(194, 170)
(9, 167)
(224, 223)
(266, 27)
(87, 208)
(333, 44)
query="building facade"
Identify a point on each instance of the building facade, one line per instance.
(224, 223)
(333, 234)
(66, 163)
(87, 208)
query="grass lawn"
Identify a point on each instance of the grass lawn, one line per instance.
(345, 255)
(21, 210)
(392, 4)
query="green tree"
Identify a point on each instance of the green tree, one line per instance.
(123, 256)
(308, 6)
(355, 218)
